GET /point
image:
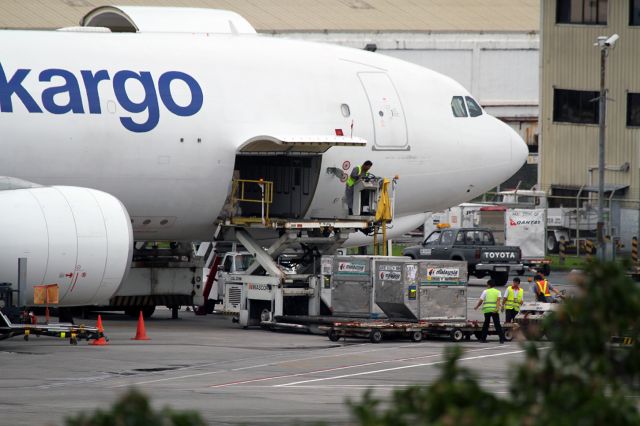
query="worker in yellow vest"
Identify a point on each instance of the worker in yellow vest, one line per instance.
(512, 299)
(490, 301)
(543, 289)
(358, 172)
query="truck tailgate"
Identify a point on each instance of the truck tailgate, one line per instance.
(500, 254)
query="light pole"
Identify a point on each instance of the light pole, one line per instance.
(604, 44)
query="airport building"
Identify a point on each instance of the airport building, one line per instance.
(489, 46)
(570, 87)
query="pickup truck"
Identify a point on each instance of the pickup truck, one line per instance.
(476, 246)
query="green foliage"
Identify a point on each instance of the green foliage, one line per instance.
(578, 378)
(134, 409)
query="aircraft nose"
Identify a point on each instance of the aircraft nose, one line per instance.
(519, 149)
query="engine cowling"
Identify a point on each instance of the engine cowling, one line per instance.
(78, 238)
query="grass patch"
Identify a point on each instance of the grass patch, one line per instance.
(570, 262)
(578, 262)
(396, 250)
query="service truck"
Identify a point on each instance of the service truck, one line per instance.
(575, 226)
(476, 246)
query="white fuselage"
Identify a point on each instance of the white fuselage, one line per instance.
(174, 158)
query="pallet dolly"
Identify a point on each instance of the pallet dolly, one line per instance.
(415, 331)
(59, 330)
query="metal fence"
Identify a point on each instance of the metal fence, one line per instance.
(574, 219)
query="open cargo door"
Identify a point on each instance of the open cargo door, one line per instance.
(297, 144)
(292, 163)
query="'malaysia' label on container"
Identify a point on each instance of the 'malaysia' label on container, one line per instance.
(351, 268)
(442, 274)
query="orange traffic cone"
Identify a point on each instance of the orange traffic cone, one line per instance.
(141, 333)
(101, 341)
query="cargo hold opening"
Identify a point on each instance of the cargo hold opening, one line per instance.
(292, 163)
(294, 178)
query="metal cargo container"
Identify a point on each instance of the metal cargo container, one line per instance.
(422, 289)
(352, 292)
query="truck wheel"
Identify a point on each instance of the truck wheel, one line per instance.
(375, 336)
(265, 315)
(416, 336)
(508, 334)
(457, 335)
(500, 278)
(552, 244)
(333, 335)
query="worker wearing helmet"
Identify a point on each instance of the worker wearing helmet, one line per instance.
(358, 173)
(543, 289)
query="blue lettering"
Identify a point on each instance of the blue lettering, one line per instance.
(149, 103)
(14, 86)
(74, 104)
(91, 81)
(164, 87)
(67, 96)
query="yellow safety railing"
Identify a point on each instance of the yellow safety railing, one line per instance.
(240, 194)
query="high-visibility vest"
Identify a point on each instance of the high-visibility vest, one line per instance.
(491, 301)
(351, 181)
(513, 301)
(543, 287)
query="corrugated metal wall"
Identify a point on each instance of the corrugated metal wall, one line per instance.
(569, 60)
(309, 15)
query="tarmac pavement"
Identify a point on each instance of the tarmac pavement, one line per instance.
(230, 375)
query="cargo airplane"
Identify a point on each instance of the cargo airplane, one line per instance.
(132, 127)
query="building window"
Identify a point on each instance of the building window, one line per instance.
(633, 109)
(575, 106)
(634, 12)
(587, 12)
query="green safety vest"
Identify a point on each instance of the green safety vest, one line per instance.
(351, 181)
(491, 301)
(513, 301)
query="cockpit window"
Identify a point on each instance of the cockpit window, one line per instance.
(474, 108)
(457, 106)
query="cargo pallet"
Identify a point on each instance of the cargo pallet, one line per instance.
(415, 331)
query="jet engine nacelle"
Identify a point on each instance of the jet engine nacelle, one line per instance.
(78, 238)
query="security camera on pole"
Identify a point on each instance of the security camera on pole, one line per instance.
(604, 43)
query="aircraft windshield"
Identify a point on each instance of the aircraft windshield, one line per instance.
(457, 106)
(474, 108)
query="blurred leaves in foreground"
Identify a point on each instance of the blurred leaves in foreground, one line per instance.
(579, 377)
(133, 409)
